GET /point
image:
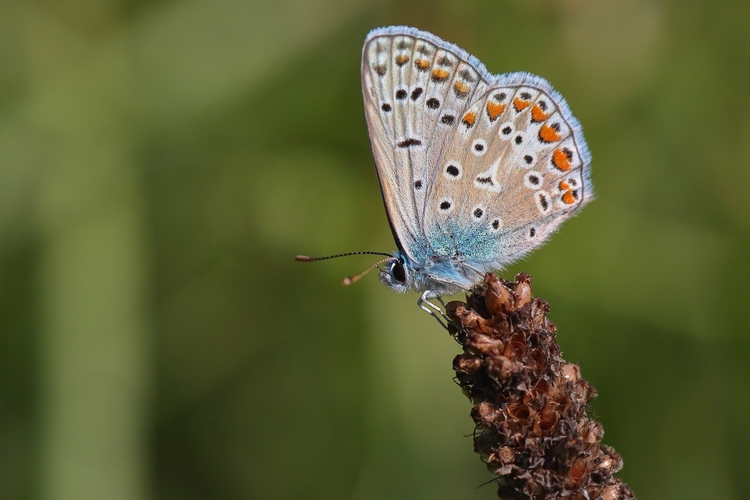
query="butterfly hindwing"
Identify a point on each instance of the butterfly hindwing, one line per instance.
(508, 179)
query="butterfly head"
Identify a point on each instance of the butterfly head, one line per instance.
(397, 274)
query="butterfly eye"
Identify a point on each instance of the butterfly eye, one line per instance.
(398, 272)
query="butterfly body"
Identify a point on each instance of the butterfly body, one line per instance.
(476, 170)
(434, 274)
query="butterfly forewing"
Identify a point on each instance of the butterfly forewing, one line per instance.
(415, 89)
(383, 125)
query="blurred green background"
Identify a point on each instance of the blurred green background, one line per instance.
(162, 162)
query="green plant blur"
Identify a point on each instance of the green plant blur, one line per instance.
(162, 162)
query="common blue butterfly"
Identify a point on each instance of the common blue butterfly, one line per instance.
(476, 170)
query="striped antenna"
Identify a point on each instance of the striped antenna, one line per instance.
(349, 280)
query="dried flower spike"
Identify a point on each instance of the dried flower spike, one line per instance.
(530, 405)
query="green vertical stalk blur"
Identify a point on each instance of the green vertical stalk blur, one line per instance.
(93, 333)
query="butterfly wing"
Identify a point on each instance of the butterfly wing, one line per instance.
(414, 96)
(475, 169)
(514, 168)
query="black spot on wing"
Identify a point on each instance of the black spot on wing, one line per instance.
(408, 142)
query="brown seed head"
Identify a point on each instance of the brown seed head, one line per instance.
(529, 404)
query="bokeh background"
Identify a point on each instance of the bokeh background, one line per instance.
(161, 162)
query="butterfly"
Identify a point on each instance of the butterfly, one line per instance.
(476, 170)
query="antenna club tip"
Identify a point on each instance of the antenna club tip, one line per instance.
(303, 258)
(347, 281)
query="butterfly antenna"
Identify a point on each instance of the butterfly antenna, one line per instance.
(349, 280)
(307, 258)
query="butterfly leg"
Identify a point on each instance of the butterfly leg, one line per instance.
(432, 309)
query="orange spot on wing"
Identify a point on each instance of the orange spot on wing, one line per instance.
(461, 87)
(561, 159)
(469, 119)
(422, 64)
(564, 186)
(440, 75)
(548, 134)
(494, 110)
(520, 104)
(402, 59)
(538, 114)
(568, 198)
